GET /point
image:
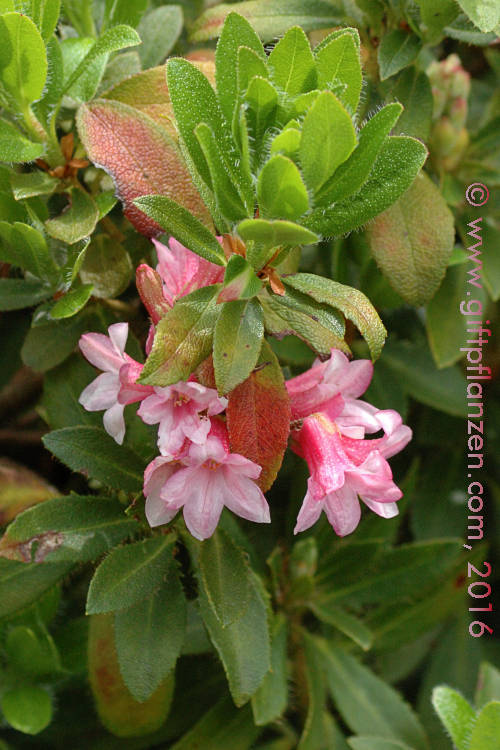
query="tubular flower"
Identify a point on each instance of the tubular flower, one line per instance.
(343, 464)
(182, 271)
(204, 480)
(178, 411)
(313, 389)
(116, 387)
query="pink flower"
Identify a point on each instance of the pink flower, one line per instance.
(311, 390)
(183, 271)
(116, 387)
(207, 478)
(177, 408)
(343, 464)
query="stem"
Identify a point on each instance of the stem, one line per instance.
(33, 126)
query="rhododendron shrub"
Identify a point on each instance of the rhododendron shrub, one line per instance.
(232, 271)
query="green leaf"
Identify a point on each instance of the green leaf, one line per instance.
(287, 143)
(351, 175)
(445, 324)
(92, 451)
(25, 247)
(120, 713)
(21, 583)
(32, 653)
(251, 432)
(23, 61)
(123, 11)
(351, 302)
(27, 709)
(243, 646)
(270, 19)
(71, 302)
(229, 202)
(262, 99)
(178, 222)
(129, 574)
(407, 570)
(435, 17)
(313, 735)
(456, 714)
(397, 50)
(274, 233)
(250, 64)
(413, 365)
(280, 190)
(236, 33)
(49, 344)
(129, 144)
(413, 90)
(159, 30)
(486, 730)
(69, 529)
(237, 343)
(346, 623)
(194, 101)
(183, 338)
(367, 703)
(107, 266)
(291, 63)
(27, 184)
(149, 636)
(222, 727)
(271, 699)
(61, 392)
(328, 139)
(18, 293)
(488, 685)
(113, 40)
(225, 575)
(15, 147)
(412, 252)
(485, 14)
(317, 325)
(45, 13)
(376, 743)
(77, 221)
(397, 165)
(240, 281)
(73, 52)
(338, 62)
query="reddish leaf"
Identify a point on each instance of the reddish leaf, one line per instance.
(258, 417)
(148, 92)
(20, 488)
(118, 711)
(141, 158)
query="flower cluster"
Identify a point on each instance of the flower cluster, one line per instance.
(196, 470)
(330, 433)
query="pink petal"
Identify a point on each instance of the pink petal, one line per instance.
(309, 512)
(386, 510)
(320, 443)
(245, 467)
(118, 333)
(343, 510)
(351, 378)
(130, 391)
(101, 393)
(203, 504)
(150, 339)
(114, 422)
(241, 495)
(98, 349)
(373, 480)
(157, 512)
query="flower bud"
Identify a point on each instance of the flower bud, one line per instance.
(150, 288)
